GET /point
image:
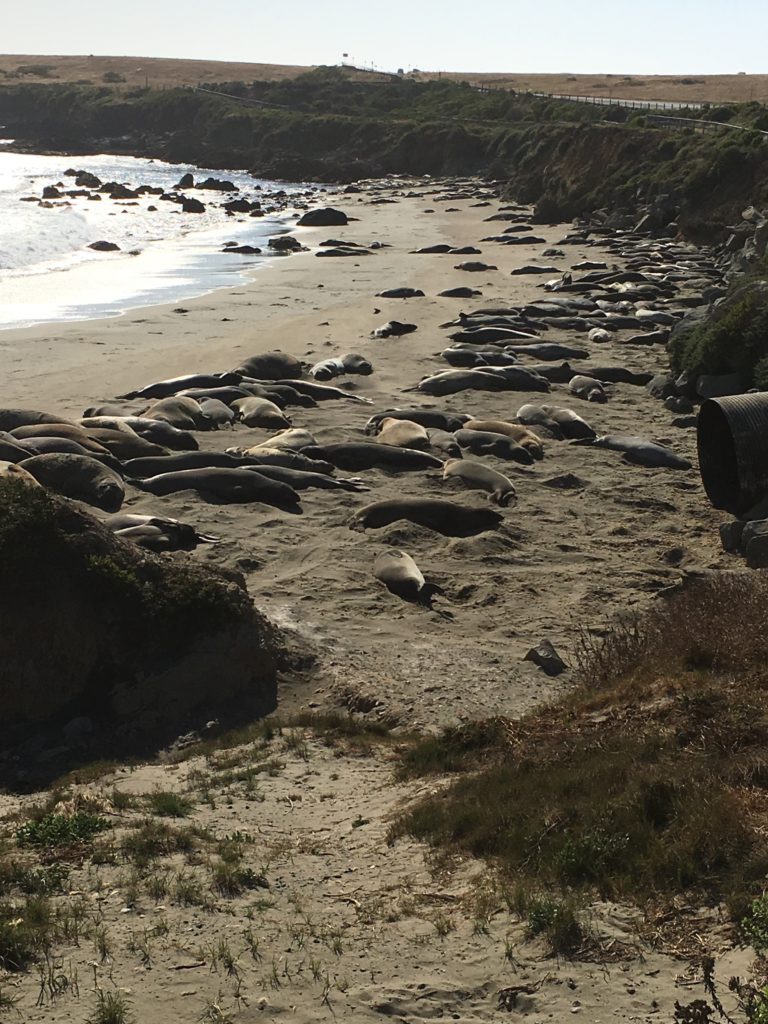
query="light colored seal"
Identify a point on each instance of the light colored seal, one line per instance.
(588, 388)
(66, 431)
(260, 412)
(293, 439)
(399, 574)
(478, 477)
(403, 433)
(516, 431)
(181, 412)
(10, 471)
(79, 477)
(638, 451)
(157, 533)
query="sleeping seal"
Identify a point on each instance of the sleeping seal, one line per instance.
(346, 364)
(638, 451)
(483, 442)
(588, 388)
(561, 422)
(518, 433)
(157, 533)
(476, 476)
(79, 477)
(260, 412)
(403, 433)
(445, 517)
(228, 485)
(440, 419)
(359, 455)
(402, 577)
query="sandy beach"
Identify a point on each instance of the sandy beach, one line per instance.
(355, 928)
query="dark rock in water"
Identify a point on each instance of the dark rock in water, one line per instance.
(757, 552)
(103, 246)
(217, 185)
(84, 179)
(187, 181)
(546, 657)
(191, 205)
(117, 191)
(323, 218)
(94, 195)
(240, 205)
(286, 243)
(136, 645)
(51, 192)
(243, 250)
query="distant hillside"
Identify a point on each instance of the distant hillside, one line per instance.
(162, 72)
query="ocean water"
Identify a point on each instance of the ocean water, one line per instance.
(48, 274)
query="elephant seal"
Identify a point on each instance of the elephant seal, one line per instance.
(563, 423)
(483, 442)
(217, 412)
(444, 442)
(281, 457)
(346, 364)
(393, 329)
(475, 266)
(638, 451)
(548, 351)
(476, 476)
(301, 479)
(400, 293)
(64, 446)
(271, 366)
(459, 293)
(61, 430)
(233, 486)
(439, 419)
(125, 444)
(13, 451)
(359, 455)
(153, 466)
(617, 375)
(79, 477)
(156, 431)
(260, 412)
(323, 393)
(588, 388)
(402, 577)
(518, 433)
(507, 378)
(599, 335)
(445, 517)
(224, 395)
(292, 439)
(461, 357)
(403, 433)
(181, 412)
(12, 418)
(157, 533)
(166, 388)
(11, 471)
(441, 247)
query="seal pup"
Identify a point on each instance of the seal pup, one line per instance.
(393, 329)
(402, 577)
(403, 433)
(350, 363)
(157, 533)
(588, 388)
(444, 517)
(79, 477)
(476, 476)
(444, 442)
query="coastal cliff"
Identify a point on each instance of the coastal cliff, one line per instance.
(568, 159)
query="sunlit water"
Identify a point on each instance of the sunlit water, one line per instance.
(48, 273)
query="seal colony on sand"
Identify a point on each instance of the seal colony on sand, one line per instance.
(356, 417)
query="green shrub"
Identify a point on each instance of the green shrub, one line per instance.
(61, 830)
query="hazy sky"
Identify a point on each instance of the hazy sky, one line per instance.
(609, 36)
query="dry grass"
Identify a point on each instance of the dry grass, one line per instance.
(161, 72)
(649, 779)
